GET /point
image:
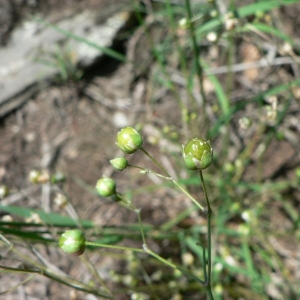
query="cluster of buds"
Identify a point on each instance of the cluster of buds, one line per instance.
(197, 155)
(38, 177)
(271, 110)
(129, 141)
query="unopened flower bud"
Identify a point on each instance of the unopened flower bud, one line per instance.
(61, 200)
(119, 163)
(72, 242)
(230, 21)
(38, 177)
(129, 140)
(34, 218)
(197, 154)
(230, 24)
(212, 36)
(287, 49)
(187, 259)
(57, 178)
(183, 23)
(106, 187)
(34, 176)
(4, 191)
(214, 13)
(245, 122)
(270, 113)
(44, 177)
(259, 14)
(7, 218)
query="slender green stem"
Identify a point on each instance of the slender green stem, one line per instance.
(138, 212)
(146, 171)
(160, 58)
(44, 271)
(114, 247)
(208, 280)
(196, 50)
(94, 271)
(229, 77)
(147, 250)
(178, 218)
(204, 263)
(156, 162)
(21, 255)
(205, 191)
(208, 216)
(187, 194)
(172, 179)
(182, 57)
(13, 288)
(69, 282)
(85, 259)
(209, 291)
(124, 202)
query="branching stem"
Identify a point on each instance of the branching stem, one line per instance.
(173, 180)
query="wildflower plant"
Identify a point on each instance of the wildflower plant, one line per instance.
(248, 259)
(197, 155)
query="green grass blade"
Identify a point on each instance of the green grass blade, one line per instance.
(194, 246)
(244, 12)
(224, 119)
(266, 29)
(52, 219)
(110, 52)
(263, 6)
(35, 236)
(221, 95)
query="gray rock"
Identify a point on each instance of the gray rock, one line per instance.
(23, 73)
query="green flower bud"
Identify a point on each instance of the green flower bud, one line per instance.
(106, 187)
(245, 122)
(38, 177)
(259, 14)
(72, 242)
(184, 23)
(34, 176)
(4, 191)
(197, 154)
(129, 140)
(119, 163)
(57, 178)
